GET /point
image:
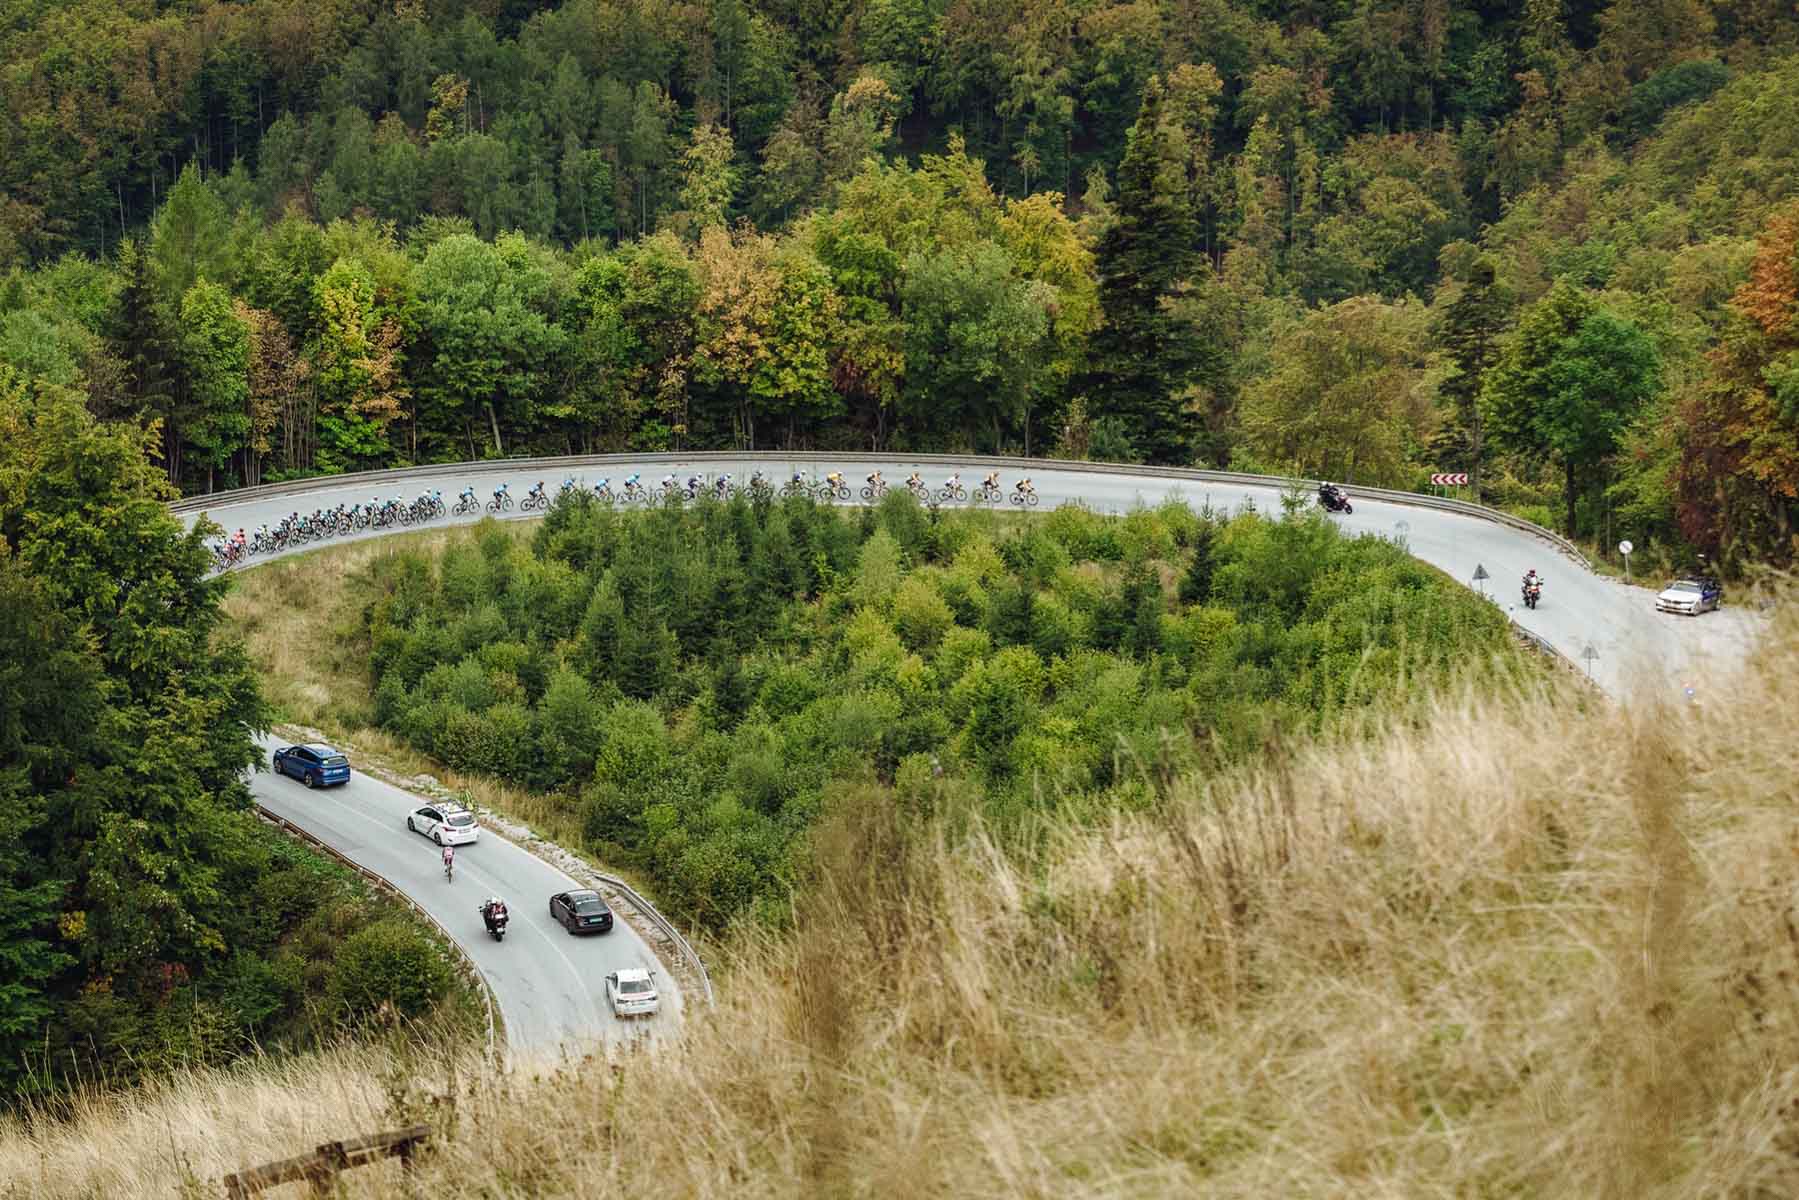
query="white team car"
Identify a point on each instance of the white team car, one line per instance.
(445, 822)
(632, 992)
(1691, 596)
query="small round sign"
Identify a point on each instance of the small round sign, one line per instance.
(1625, 547)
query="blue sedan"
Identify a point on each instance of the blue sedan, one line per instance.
(314, 764)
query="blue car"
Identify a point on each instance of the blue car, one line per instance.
(315, 765)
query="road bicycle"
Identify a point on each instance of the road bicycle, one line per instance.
(499, 504)
(1027, 499)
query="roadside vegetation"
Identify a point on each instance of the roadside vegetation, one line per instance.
(148, 919)
(690, 686)
(1504, 946)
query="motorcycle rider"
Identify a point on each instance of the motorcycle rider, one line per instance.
(494, 911)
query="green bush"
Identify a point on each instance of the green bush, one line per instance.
(718, 671)
(388, 963)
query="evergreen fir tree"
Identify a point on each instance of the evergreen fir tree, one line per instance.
(1471, 337)
(1196, 584)
(1144, 357)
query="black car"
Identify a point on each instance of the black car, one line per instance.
(581, 912)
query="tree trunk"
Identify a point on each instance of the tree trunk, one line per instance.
(1569, 492)
(498, 449)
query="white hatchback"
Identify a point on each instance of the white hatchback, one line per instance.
(632, 992)
(446, 823)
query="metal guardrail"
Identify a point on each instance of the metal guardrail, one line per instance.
(655, 917)
(383, 882)
(565, 463)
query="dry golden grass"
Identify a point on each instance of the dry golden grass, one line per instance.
(1522, 950)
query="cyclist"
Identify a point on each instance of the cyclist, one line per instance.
(537, 488)
(693, 486)
(722, 485)
(449, 858)
(991, 483)
(954, 481)
(631, 483)
(916, 482)
(756, 479)
(603, 487)
(1023, 487)
(835, 479)
(874, 481)
(568, 483)
(798, 478)
(499, 493)
(468, 493)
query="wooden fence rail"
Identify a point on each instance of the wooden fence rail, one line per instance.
(320, 1168)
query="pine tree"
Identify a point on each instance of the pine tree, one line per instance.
(1144, 357)
(1471, 338)
(141, 333)
(1196, 584)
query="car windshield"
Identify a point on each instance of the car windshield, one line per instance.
(588, 904)
(461, 820)
(337, 760)
(1685, 585)
(634, 987)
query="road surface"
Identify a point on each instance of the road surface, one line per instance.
(550, 985)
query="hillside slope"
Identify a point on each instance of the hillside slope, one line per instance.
(1527, 947)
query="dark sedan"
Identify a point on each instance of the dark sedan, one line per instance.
(581, 912)
(314, 765)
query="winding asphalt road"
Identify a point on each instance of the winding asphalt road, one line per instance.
(549, 985)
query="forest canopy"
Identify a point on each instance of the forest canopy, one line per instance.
(1294, 237)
